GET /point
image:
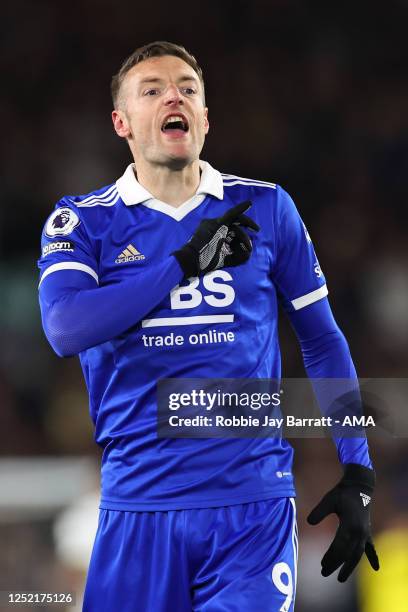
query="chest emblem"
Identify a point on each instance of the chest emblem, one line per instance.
(129, 254)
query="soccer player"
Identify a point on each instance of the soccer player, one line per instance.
(130, 273)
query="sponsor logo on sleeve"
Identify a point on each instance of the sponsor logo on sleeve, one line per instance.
(52, 247)
(62, 222)
(317, 270)
(308, 238)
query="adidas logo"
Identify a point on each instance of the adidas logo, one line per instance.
(129, 254)
(366, 499)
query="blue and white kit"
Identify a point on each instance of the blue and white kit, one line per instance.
(111, 291)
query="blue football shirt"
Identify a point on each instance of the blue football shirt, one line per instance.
(115, 233)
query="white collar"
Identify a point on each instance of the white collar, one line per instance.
(132, 192)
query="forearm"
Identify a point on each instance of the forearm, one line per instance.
(77, 314)
(329, 357)
(326, 355)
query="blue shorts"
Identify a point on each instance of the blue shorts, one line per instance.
(231, 558)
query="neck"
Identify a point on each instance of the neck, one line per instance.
(168, 185)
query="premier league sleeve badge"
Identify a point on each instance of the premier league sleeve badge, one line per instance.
(62, 222)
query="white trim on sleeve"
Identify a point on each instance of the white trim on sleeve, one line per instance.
(70, 265)
(309, 298)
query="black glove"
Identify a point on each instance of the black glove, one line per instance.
(350, 500)
(218, 242)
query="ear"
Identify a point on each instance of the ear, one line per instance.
(120, 123)
(206, 122)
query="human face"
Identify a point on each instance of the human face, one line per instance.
(152, 91)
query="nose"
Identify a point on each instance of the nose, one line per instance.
(173, 96)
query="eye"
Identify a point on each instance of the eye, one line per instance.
(151, 92)
(189, 91)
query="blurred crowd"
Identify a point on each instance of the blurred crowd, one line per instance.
(305, 94)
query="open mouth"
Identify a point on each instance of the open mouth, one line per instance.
(175, 122)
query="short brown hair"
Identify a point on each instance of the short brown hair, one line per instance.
(154, 49)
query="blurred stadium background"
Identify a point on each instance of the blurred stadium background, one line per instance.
(312, 95)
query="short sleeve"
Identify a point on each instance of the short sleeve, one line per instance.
(297, 273)
(65, 244)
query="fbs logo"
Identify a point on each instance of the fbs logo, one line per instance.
(129, 254)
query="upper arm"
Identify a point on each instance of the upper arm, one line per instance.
(297, 274)
(65, 246)
(67, 262)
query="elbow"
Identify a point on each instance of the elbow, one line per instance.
(331, 340)
(326, 340)
(328, 356)
(59, 347)
(62, 340)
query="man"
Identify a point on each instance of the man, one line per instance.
(173, 245)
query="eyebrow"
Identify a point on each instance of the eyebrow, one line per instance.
(153, 79)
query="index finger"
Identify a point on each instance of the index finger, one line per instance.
(233, 213)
